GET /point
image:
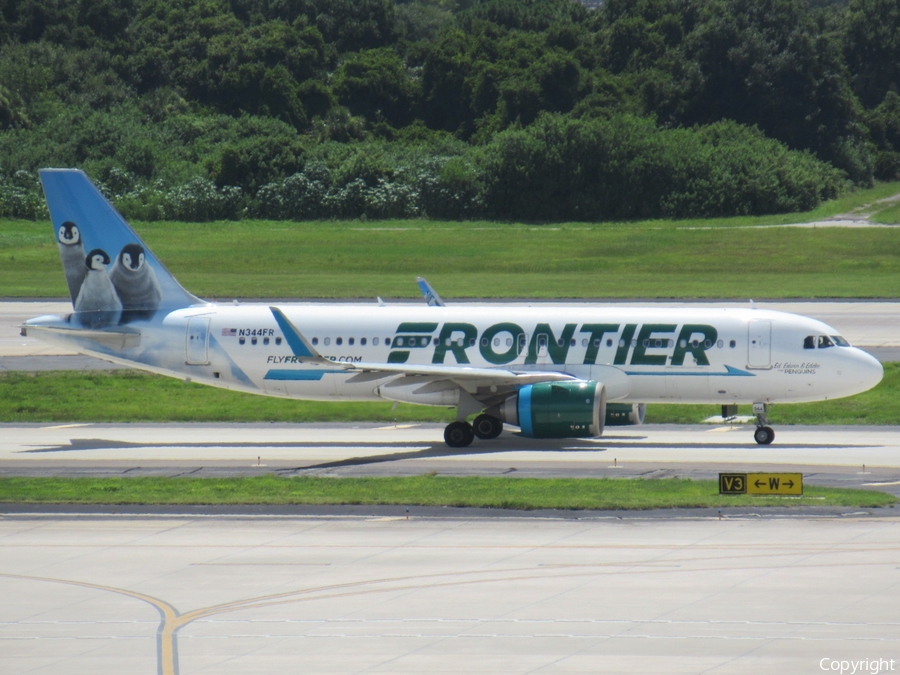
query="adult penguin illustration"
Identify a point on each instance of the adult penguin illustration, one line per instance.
(136, 283)
(71, 252)
(97, 304)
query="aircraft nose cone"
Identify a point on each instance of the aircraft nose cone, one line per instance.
(869, 369)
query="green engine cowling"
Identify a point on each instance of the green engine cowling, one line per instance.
(561, 409)
(625, 414)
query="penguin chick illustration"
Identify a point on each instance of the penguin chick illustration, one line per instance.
(97, 303)
(136, 283)
(71, 252)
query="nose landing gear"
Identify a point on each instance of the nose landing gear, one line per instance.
(763, 434)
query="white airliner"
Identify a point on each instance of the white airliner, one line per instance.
(553, 371)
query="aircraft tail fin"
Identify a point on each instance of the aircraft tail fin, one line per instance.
(113, 277)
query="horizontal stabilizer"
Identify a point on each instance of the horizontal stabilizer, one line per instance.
(114, 339)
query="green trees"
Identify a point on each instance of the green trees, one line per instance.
(625, 167)
(872, 48)
(537, 109)
(374, 83)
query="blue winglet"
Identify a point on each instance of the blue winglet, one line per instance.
(295, 340)
(430, 295)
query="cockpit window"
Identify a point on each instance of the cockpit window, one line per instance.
(824, 341)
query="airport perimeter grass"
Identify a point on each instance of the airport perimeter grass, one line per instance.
(358, 259)
(132, 396)
(426, 490)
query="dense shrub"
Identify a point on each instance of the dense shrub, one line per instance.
(625, 167)
(21, 197)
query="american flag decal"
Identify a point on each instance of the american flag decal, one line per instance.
(229, 332)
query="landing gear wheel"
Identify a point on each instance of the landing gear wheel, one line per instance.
(459, 434)
(487, 427)
(764, 435)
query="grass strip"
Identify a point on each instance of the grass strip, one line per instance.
(351, 259)
(425, 490)
(890, 216)
(132, 396)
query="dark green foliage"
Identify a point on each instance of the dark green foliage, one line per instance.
(565, 169)
(528, 15)
(872, 47)
(884, 127)
(495, 80)
(214, 108)
(374, 83)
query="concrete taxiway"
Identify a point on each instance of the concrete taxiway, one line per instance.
(104, 595)
(867, 457)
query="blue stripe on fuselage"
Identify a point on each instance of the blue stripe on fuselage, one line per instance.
(304, 375)
(731, 371)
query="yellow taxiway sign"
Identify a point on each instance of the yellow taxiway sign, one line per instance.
(760, 483)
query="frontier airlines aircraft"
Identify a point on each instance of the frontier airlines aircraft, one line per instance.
(553, 371)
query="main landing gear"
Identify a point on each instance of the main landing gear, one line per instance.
(487, 427)
(763, 434)
(460, 434)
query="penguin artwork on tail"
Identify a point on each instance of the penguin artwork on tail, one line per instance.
(71, 252)
(135, 283)
(97, 304)
(137, 286)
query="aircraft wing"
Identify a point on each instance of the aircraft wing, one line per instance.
(499, 376)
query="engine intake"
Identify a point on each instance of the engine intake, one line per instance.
(557, 409)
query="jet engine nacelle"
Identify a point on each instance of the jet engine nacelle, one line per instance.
(625, 414)
(556, 409)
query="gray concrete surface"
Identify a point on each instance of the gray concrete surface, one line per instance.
(389, 595)
(867, 457)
